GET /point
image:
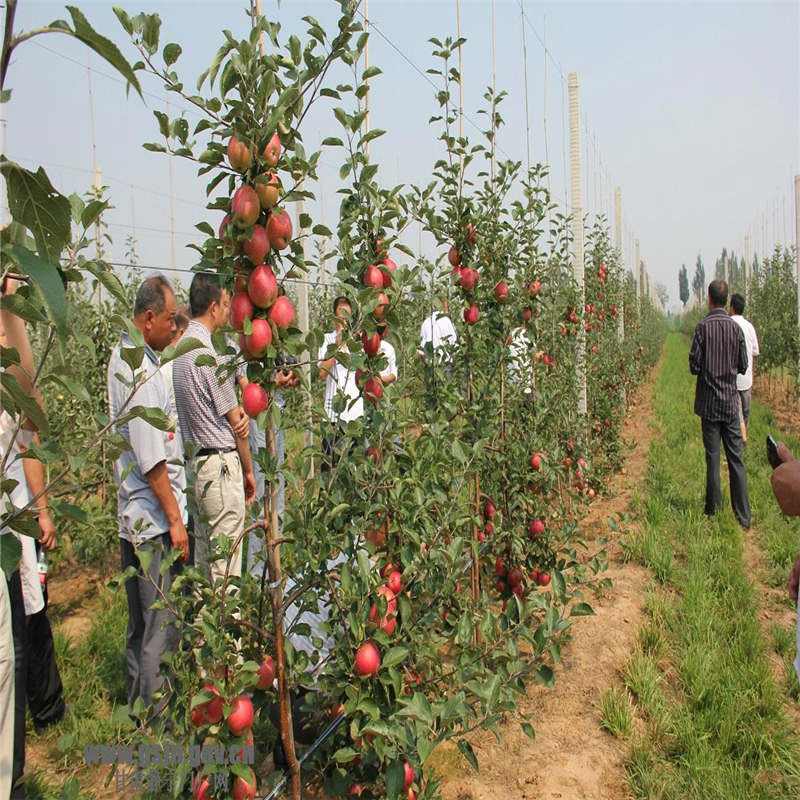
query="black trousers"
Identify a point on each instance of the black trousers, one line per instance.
(44, 688)
(19, 632)
(729, 433)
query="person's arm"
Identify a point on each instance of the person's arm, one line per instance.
(326, 365)
(697, 352)
(160, 485)
(36, 479)
(243, 448)
(742, 360)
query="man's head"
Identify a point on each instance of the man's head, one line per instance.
(717, 294)
(209, 301)
(342, 311)
(154, 312)
(737, 304)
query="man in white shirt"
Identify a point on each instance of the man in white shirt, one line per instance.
(744, 383)
(439, 332)
(343, 402)
(389, 374)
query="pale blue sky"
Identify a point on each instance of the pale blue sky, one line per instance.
(695, 108)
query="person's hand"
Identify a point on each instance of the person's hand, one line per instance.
(242, 427)
(249, 486)
(48, 530)
(285, 379)
(179, 538)
(794, 581)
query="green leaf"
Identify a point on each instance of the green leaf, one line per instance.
(321, 230)
(153, 416)
(124, 20)
(107, 278)
(105, 48)
(294, 49)
(18, 305)
(171, 53)
(5, 95)
(395, 778)
(417, 707)
(371, 72)
(151, 32)
(528, 730)
(10, 552)
(34, 203)
(185, 345)
(370, 135)
(332, 141)
(581, 610)
(345, 755)
(363, 565)
(92, 211)
(394, 657)
(466, 749)
(46, 276)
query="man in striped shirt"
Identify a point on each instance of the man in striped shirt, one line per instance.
(717, 356)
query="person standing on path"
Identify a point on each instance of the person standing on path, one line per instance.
(744, 383)
(151, 500)
(215, 427)
(437, 338)
(718, 354)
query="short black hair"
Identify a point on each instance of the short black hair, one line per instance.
(152, 295)
(339, 300)
(718, 293)
(206, 289)
(737, 303)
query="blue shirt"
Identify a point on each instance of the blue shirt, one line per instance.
(140, 515)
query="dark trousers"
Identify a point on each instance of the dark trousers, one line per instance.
(334, 444)
(151, 631)
(19, 632)
(730, 434)
(44, 688)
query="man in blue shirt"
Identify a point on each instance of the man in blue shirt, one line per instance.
(151, 481)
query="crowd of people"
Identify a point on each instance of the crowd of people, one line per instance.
(176, 489)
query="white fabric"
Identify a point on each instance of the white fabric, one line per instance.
(387, 350)
(6, 691)
(744, 382)
(340, 379)
(19, 497)
(439, 331)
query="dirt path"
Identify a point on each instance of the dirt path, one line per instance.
(572, 758)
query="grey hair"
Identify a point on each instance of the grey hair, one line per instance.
(151, 295)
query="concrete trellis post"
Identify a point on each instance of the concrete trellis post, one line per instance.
(621, 256)
(577, 227)
(637, 270)
(797, 246)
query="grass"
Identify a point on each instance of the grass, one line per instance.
(616, 715)
(715, 725)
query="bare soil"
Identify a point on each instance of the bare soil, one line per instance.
(572, 758)
(781, 396)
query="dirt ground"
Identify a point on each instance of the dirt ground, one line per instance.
(572, 758)
(782, 399)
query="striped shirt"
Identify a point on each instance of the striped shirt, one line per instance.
(202, 396)
(718, 355)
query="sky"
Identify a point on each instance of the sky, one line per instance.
(692, 109)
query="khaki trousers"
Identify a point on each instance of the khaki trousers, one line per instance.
(219, 494)
(6, 690)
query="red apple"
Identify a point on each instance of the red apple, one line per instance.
(198, 716)
(500, 567)
(356, 790)
(536, 527)
(536, 461)
(500, 586)
(367, 661)
(391, 603)
(279, 228)
(373, 390)
(282, 312)
(515, 576)
(240, 156)
(257, 246)
(272, 151)
(268, 189)
(488, 529)
(412, 795)
(395, 582)
(372, 343)
(518, 590)
(379, 312)
(245, 206)
(266, 673)
(543, 578)
(201, 788)
(454, 257)
(213, 708)
(241, 716)
(469, 279)
(390, 267)
(254, 400)
(534, 287)
(262, 286)
(245, 788)
(223, 232)
(526, 314)
(374, 455)
(257, 343)
(501, 292)
(241, 309)
(489, 509)
(373, 277)
(471, 314)
(408, 775)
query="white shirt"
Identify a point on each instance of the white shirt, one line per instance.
(387, 350)
(19, 497)
(744, 382)
(439, 331)
(340, 379)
